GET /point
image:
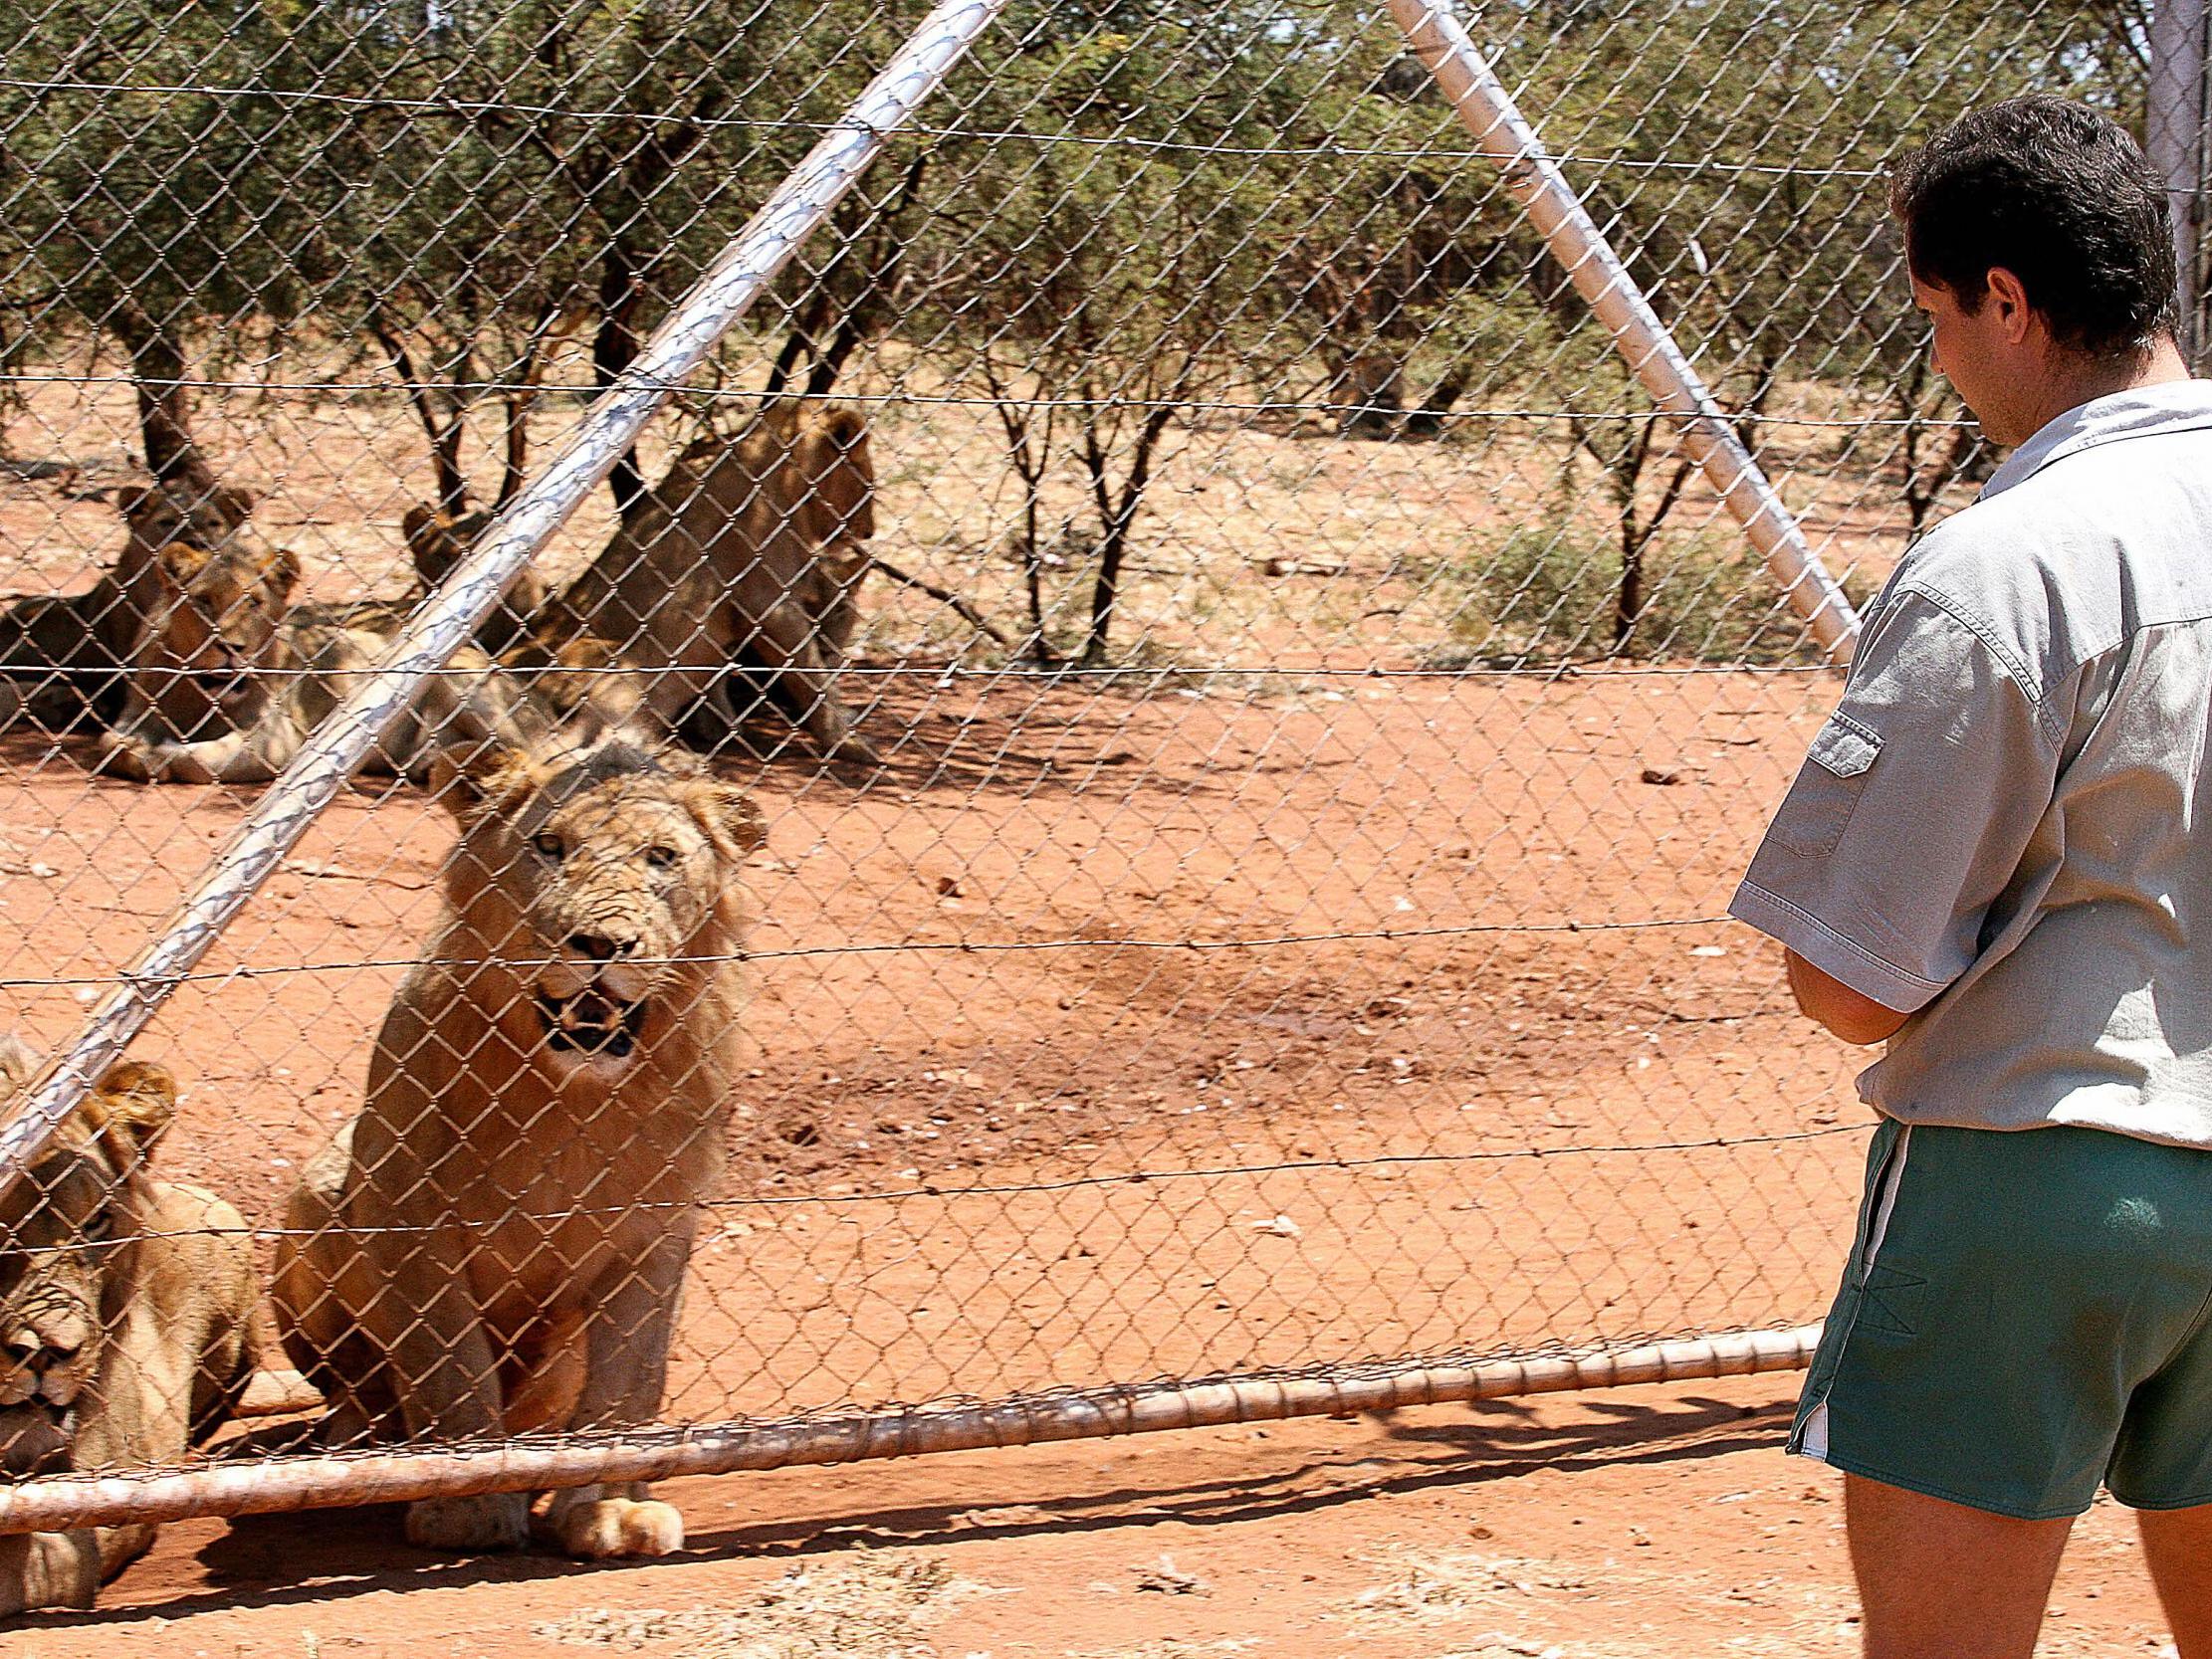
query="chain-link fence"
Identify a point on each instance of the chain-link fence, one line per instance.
(1229, 723)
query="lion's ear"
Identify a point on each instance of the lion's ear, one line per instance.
(418, 527)
(17, 1061)
(134, 1103)
(436, 541)
(840, 472)
(842, 426)
(730, 816)
(471, 778)
(230, 504)
(284, 571)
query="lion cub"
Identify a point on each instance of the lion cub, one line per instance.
(497, 1242)
(128, 1317)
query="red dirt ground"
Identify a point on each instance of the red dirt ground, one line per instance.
(983, 1157)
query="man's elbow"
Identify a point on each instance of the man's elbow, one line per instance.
(1842, 1012)
(1859, 1027)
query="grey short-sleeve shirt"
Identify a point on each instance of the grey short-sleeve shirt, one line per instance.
(2006, 826)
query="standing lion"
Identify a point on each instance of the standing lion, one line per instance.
(496, 1244)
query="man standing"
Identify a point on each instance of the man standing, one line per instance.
(1998, 856)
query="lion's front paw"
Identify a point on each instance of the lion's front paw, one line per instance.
(608, 1527)
(494, 1520)
(123, 755)
(48, 1569)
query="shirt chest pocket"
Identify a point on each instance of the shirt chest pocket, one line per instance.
(1826, 791)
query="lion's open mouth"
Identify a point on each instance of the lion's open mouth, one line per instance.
(592, 1022)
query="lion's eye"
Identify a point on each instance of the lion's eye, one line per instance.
(549, 846)
(661, 858)
(97, 1227)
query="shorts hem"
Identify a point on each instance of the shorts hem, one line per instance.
(1929, 1489)
(2157, 1504)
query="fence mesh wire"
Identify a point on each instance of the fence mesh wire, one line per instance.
(1254, 724)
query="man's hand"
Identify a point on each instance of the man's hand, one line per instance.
(1834, 1004)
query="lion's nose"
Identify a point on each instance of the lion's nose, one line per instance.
(599, 948)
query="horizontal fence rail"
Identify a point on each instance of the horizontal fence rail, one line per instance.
(715, 1449)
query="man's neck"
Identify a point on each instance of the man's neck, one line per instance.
(2078, 379)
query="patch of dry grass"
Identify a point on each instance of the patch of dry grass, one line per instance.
(827, 1610)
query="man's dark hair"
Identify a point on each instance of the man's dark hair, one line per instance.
(2061, 197)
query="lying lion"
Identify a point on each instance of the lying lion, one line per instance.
(497, 1242)
(63, 656)
(226, 677)
(127, 1320)
(742, 561)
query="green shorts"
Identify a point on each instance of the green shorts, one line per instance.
(2024, 1315)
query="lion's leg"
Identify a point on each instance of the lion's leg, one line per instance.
(688, 668)
(431, 1330)
(321, 1337)
(784, 643)
(150, 1427)
(626, 1339)
(386, 1326)
(321, 1277)
(250, 755)
(451, 713)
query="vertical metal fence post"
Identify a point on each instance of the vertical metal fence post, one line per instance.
(1487, 110)
(451, 613)
(2177, 134)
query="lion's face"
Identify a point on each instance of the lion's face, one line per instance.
(62, 1232)
(214, 605)
(840, 480)
(602, 868)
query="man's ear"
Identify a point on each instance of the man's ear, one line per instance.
(133, 1104)
(2010, 296)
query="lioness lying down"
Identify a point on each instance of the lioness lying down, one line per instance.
(497, 1242)
(127, 1320)
(63, 656)
(226, 677)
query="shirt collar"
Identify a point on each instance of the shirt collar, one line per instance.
(2176, 406)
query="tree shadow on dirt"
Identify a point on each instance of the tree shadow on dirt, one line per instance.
(1006, 735)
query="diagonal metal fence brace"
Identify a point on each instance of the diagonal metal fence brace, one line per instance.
(449, 616)
(1487, 110)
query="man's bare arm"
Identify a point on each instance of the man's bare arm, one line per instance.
(1834, 1004)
